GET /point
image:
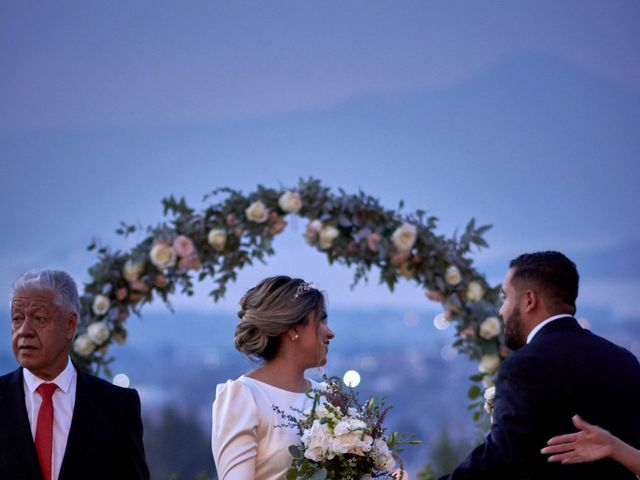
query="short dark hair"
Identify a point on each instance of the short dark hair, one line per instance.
(552, 272)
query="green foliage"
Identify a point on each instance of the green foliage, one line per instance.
(350, 229)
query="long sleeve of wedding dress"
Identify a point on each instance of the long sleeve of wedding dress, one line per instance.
(234, 430)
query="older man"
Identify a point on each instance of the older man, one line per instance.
(557, 370)
(56, 422)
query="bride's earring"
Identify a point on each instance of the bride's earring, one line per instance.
(295, 337)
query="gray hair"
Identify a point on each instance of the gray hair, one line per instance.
(56, 281)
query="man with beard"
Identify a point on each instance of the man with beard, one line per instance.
(557, 370)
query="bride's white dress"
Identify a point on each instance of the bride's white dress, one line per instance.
(245, 441)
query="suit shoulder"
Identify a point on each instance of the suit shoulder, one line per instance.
(106, 389)
(9, 378)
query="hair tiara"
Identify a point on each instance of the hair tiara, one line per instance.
(302, 287)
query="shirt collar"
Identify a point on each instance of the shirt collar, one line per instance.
(63, 380)
(538, 327)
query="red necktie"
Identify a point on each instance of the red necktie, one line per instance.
(44, 428)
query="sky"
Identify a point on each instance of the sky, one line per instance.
(523, 115)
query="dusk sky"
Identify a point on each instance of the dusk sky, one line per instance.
(524, 115)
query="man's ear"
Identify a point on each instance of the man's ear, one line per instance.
(530, 300)
(72, 325)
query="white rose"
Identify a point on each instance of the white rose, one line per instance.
(98, 332)
(317, 442)
(475, 292)
(489, 399)
(311, 231)
(350, 437)
(452, 276)
(382, 457)
(162, 256)
(83, 345)
(132, 271)
(490, 328)
(257, 212)
(489, 363)
(404, 237)
(290, 202)
(217, 238)
(327, 235)
(100, 305)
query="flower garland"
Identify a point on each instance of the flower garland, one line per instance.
(239, 229)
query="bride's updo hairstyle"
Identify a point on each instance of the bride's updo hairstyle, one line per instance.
(271, 308)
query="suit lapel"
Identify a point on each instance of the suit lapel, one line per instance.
(18, 422)
(74, 461)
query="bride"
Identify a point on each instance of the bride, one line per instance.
(283, 324)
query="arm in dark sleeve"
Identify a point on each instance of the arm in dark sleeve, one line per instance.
(512, 448)
(134, 463)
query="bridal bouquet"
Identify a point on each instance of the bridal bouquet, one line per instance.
(341, 438)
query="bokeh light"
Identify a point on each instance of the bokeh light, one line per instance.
(121, 380)
(441, 322)
(351, 378)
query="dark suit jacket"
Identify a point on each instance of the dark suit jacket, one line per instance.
(564, 371)
(105, 439)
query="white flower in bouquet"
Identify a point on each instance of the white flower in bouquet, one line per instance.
(350, 437)
(489, 363)
(98, 332)
(317, 442)
(217, 238)
(132, 270)
(489, 398)
(290, 202)
(257, 212)
(452, 275)
(100, 305)
(490, 328)
(404, 237)
(382, 457)
(475, 292)
(327, 235)
(83, 345)
(162, 256)
(311, 232)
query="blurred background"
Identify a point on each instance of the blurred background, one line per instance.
(524, 115)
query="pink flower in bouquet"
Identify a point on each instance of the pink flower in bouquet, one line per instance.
(192, 262)
(435, 295)
(140, 286)
(373, 239)
(398, 258)
(161, 281)
(183, 246)
(231, 219)
(121, 294)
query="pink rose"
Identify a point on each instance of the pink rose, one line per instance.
(161, 281)
(435, 295)
(121, 294)
(140, 286)
(278, 226)
(191, 262)
(372, 241)
(231, 219)
(183, 246)
(398, 258)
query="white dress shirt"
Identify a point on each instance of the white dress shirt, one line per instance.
(64, 399)
(538, 327)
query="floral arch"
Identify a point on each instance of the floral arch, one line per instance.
(236, 230)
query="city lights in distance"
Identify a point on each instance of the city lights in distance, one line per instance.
(121, 380)
(351, 378)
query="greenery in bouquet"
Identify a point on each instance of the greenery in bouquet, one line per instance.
(341, 438)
